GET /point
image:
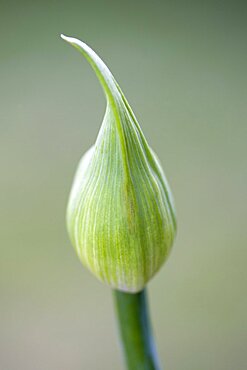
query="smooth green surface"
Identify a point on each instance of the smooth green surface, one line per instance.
(54, 315)
(135, 331)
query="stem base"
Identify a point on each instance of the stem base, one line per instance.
(135, 330)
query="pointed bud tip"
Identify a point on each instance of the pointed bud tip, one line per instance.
(66, 38)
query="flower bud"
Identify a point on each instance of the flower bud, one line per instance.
(120, 215)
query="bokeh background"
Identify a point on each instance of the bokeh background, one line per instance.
(182, 66)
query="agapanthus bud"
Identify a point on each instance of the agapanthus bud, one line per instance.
(120, 214)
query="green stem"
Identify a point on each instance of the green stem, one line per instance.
(135, 330)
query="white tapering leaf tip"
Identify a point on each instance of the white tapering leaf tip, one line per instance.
(71, 40)
(66, 38)
(75, 42)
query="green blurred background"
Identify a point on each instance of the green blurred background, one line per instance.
(182, 66)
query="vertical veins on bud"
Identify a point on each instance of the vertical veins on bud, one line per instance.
(120, 215)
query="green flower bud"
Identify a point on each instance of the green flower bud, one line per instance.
(120, 215)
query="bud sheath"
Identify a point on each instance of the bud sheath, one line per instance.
(120, 214)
